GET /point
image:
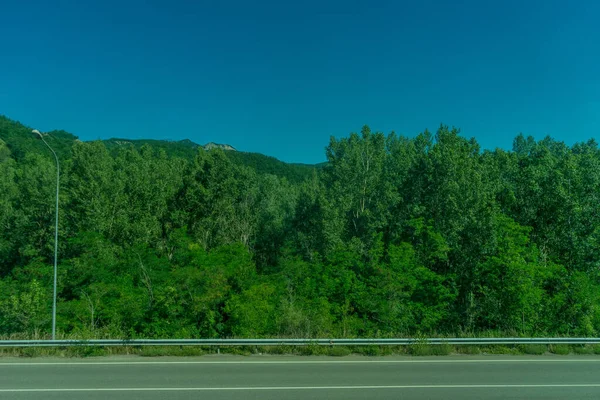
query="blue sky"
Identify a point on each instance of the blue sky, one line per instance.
(281, 77)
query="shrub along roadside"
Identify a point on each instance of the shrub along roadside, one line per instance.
(419, 349)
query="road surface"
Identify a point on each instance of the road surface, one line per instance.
(284, 377)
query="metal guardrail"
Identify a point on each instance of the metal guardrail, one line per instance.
(294, 342)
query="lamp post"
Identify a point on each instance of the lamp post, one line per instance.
(40, 136)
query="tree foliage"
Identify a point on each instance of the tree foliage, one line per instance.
(392, 236)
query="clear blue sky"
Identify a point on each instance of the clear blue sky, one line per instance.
(280, 77)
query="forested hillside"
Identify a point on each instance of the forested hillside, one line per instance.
(187, 149)
(20, 141)
(393, 236)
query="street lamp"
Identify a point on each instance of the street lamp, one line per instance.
(40, 136)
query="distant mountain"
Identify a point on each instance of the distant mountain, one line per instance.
(183, 148)
(20, 140)
(261, 163)
(226, 147)
(270, 165)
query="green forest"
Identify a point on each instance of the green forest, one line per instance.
(392, 237)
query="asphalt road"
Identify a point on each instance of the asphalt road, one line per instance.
(270, 377)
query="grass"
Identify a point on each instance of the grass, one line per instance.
(66, 352)
(420, 348)
(277, 349)
(310, 350)
(338, 351)
(424, 349)
(442, 349)
(468, 350)
(500, 349)
(534, 349)
(370, 351)
(181, 351)
(583, 349)
(561, 349)
(85, 351)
